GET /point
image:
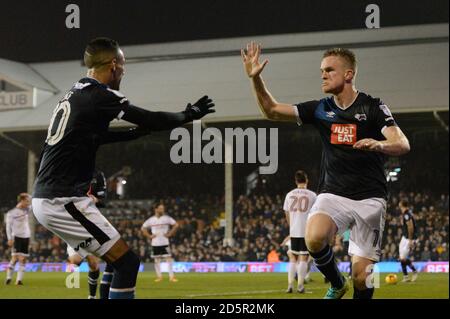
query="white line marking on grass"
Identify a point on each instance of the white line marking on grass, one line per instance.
(236, 293)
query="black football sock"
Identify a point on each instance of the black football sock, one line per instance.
(126, 269)
(410, 264)
(92, 281)
(363, 294)
(405, 272)
(105, 283)
(325, 262)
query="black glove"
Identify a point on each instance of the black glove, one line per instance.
(199, 109)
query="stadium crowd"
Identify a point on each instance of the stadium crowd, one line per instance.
(259, 229)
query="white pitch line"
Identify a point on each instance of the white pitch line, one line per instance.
(235, 293)
(244, 293)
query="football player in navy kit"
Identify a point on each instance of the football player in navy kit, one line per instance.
(409, 236)
(357, 132)
(79, 125)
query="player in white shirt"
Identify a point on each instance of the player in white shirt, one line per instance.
(297, 204)
(161, 228)
(287, 242)
(18, 233)
(292, 261)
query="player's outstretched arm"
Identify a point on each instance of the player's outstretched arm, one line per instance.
(159, 121)
(270, 108)
(396, 143)
(123, 136)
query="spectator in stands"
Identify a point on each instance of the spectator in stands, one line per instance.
(425, 255)
(259, 223)
(273, 256)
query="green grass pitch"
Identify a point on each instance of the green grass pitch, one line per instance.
(219, 286)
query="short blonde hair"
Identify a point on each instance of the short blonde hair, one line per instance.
(346, 54)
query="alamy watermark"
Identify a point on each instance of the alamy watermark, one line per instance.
(73, 279)
(373, 19)
(237, 145)
(373, 279)
(73, 18)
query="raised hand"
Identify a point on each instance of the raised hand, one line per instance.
(250, 59)
(200, 108)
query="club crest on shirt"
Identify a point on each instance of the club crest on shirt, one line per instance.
(343, 134)
(80, 86)
(385, 110)
(361, 117)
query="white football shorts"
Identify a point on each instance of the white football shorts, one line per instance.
(365, 218)
(78, 222)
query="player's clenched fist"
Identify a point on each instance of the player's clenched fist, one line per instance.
(250, 58)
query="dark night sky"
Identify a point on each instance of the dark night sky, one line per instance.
(33, 31)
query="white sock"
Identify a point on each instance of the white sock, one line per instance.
(170, 264)
(158, 267)
(308, 270)
(20, 272)
(10, 270)
(302, 270)
(291, 273)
